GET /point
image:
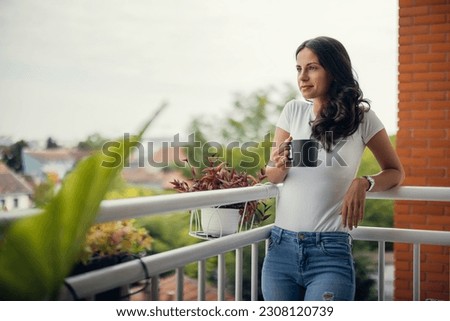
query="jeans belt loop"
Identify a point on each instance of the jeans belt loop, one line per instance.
(279, 233)
(318, 238)
(350, 239)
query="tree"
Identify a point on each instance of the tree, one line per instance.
(51, 143)
(251, 116)
(93, 142)
(12, 156)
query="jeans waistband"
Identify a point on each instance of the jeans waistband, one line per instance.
(314, 237)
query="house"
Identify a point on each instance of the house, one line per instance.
(15, 192)
(41, 165)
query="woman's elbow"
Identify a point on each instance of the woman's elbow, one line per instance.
(400, 176)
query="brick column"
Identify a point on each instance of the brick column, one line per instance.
(423, 139)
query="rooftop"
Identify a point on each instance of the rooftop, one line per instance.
(58, 154)
(10, 183)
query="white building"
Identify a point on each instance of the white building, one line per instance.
(15, 193)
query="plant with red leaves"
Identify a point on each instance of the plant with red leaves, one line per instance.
(219, 175)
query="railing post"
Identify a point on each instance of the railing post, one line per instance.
(201, 291)
(154, 288)
(180, 283)
(221, 278)
(416, 271)
(238, 274)
(254, 273)
(381, 267)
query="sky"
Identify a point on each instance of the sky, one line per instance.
(69, 69)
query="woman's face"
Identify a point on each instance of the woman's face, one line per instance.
(313, 80)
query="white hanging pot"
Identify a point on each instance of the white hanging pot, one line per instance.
(220, 221)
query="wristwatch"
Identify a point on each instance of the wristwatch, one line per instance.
(371, 182)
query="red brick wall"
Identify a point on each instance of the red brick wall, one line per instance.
(423, 139)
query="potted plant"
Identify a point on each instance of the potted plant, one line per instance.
(219, 175)
(111, 243)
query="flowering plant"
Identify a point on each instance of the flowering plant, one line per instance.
(115, 238)
(219, 175)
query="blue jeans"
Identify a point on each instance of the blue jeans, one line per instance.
(308, 266)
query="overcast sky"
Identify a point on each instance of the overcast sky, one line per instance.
(69, 69)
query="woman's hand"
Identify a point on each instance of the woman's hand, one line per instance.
(354, 203)
(280, 155)
(277, 168)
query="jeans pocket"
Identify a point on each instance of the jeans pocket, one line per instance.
(336, 249)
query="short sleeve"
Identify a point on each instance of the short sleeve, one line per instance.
(370, 126)
(284, 121)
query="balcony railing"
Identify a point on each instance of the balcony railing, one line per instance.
(88, 284)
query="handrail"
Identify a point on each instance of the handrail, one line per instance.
(119, 209)
(14, 215)
(366, 233)
(152, 205)
(160, 204)
(414, 193)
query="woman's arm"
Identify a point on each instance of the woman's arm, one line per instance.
(277, 168)
(391, 175)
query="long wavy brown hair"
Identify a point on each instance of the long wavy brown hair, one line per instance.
(345, 107)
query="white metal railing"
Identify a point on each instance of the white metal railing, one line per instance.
(111, 210)
(126, 273)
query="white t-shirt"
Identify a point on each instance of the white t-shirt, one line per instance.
(311, 197)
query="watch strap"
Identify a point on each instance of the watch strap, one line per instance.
(371, 182)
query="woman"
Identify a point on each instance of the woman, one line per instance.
(309, 255)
